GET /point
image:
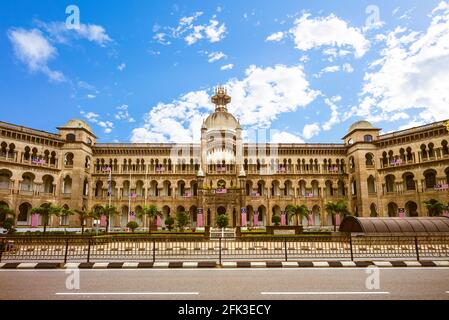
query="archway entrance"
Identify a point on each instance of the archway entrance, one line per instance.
(411, 208)
(221, 210)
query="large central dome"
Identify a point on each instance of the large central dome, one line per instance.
(221, 119)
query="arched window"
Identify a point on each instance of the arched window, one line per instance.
(445, 147)
(390, 183)
(409, 180)
(368, 138)
(68, 159)
(371, 185)
(369, 159)
(430, 179)
(354, 187)
(5, 179)
(67, 185)
(70, 137)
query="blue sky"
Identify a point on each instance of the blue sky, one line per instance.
(143, 71)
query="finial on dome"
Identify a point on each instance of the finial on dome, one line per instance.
(221, 99)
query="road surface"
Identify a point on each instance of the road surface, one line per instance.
(226, 284)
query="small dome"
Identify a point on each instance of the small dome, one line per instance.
(360, 125)
(77, 123)
(221, 120)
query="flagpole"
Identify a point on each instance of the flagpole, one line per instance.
(110, 199)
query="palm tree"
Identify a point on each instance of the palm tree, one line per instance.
(107, 210)
(434, 207)
(300, 212)
(334, 208)
(47, 210)
(82, 217)
(151, 212)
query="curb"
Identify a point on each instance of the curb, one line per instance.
(224, 265)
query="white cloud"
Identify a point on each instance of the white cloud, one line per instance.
(257, 100)
(227, 67)
(191, 31)
(107, 125)
(59, 32)
(329, 31)
(310, 130)
(277, 36)
(335, 116)
(91, 96)
(215, 56)
(285, 137)
(346, 67)
(331, 69)
(93, 33)
(412, 73)
(91, 116)
(122, 67)
(33, 49)
(123, 114)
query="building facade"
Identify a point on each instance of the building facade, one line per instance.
(378, 175)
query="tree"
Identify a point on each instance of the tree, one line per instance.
(276, 220)
(5, 213)
(133, 225)
(222, 221)
(169, 222)
(334, 208)
(82, 217)
(435, 207)
(8, 224)
(107, 211)
(182, 220)
(151, 212)
(46, 211)
(300, 212)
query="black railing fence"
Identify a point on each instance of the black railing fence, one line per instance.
(146, 248)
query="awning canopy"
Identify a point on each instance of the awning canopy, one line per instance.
(395, 225)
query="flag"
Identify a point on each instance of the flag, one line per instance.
(337, 219)
(256, 218)
(283, 218)
(38, 161)
(110, 182)
(103, 221)
(34, 220)
(244, 220)
(220, 191)
(199, 218)
(158, 221)
(310, 220)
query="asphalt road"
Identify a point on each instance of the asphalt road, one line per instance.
(227, 284)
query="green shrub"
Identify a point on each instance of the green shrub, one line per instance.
(182, 220)
(276, 220)
(8, 224)
(132, 225)
(169, 222)
(222, 220)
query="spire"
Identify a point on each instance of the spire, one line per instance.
(221, 99)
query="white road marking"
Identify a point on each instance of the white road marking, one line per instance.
(123, 293)
(327, 293)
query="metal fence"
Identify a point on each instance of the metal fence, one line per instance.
(152, 249)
